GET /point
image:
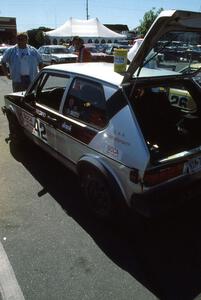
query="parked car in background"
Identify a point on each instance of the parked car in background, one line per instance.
(111, 47)
(3, 48)
(97, 53)
(122, 134)
(179, 51)
(56, 54)
(193, 53)
(191, 68)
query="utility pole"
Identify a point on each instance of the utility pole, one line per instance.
(87, 12)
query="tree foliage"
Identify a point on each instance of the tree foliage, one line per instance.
(148, 19)
(36, 36)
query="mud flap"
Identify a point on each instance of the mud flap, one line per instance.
(16, 133)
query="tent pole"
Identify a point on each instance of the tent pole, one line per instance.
(87, 11)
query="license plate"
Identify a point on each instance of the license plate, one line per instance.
(192, 166)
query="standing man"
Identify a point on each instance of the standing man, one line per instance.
(23, 61)
(84, 54)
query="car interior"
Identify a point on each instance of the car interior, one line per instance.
(167, 128)
(87, 103)
(51, 97)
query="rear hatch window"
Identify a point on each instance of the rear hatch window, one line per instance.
(177, 51)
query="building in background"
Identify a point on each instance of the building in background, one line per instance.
(8, 30)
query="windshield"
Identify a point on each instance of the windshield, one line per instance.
(177, 51)
(59, 50)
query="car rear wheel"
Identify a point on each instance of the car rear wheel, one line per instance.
(97, 194)
(101, 201)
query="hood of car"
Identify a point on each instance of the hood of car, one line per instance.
(64, 55)
(167, 21)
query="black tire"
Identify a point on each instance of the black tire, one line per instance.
(101, 200)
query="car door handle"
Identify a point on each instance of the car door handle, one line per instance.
(52, 119)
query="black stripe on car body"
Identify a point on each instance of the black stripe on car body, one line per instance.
(80, 132)
(115, 103)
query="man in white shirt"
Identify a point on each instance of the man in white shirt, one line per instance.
(151, 58)
(24, 62)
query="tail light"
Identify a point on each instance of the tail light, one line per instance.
(157, 176)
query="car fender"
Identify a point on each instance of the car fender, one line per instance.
(11, 114)
(96, 163)
(7, 110)
(11, 111)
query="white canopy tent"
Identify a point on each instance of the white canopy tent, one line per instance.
(89, 30)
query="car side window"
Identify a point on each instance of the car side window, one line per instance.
(47, 51)
(86, 102)
(51, 89)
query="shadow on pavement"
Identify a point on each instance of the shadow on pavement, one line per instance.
(163, 254)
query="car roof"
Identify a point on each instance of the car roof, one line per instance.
(105, 71)
(101, 71)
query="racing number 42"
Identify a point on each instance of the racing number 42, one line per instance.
(39, 130)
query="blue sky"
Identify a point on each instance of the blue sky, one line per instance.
(53, 13)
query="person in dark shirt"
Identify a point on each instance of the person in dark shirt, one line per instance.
(84, 54)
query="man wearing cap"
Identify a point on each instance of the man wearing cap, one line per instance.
(84, 54)
(24, 61)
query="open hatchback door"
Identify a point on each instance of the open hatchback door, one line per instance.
(163, 88)
(175, 36)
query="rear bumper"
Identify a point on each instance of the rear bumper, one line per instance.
(168, 197)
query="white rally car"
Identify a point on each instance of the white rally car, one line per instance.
(120, 133)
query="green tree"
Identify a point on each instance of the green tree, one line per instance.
(148, 19)
(36, 36)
